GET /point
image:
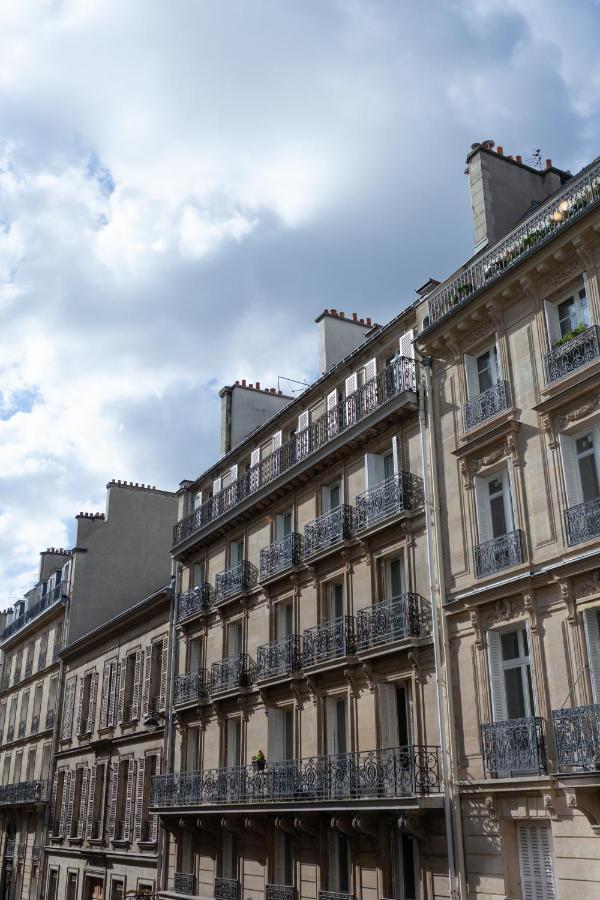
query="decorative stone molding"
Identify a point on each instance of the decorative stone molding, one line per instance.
(547, 426)
(229, 823)
(476, 625)
(306, 826)
(411, 824)
(560, 276)
(502, 611)
(577, 412)
(370, 676)
(587, 585)
(414, 658)
(530, 606)
(549, 806)
(352, 675)
(367, 826)
(566, 595)
(296, 692)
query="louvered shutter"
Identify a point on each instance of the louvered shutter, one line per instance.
(333, 860)
(92, 703)
(67, 726)
(370, 392)
(396, 856)
(137, 685)
(596, 438)
(139, 800)
(255, 469)
(330, 726)
(508, 489)
(370, 369)
(147, 678)
(276, 444)
(303, 420)
(275, 731)
(388, 716)
(153, 818)
(472, 376)
(552, 322)
(278, 857)
(332, 413)
(70, 802)
(114, 786)
(570, 470)
(162, 702)
(233, 474)
(374, 470)
(395, 455)
(197, 500)
(406, 344)
(115, 677)
(217, 485)
(53, 804)
(122, 681)
(81, 812)
(482, 504)
(536, 862)
(410, 715)
(105, 694)
(129, 798)
(65, 802)
(592, 636)
(494, 646)
(92, 798)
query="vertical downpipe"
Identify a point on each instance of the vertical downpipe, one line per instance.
(163, 862)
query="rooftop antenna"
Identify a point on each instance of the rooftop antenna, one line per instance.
(536, 158)
(291, 381)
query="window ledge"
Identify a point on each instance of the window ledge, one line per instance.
(147, 845)
(123, 844)
(75, 840)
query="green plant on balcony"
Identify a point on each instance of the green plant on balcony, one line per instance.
(259, 761)
(570, 335)
(459, 293)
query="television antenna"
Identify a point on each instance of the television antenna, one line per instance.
(281, 379)
(536, 158)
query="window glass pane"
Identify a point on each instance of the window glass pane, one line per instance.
(589, 477)
(515, 701)
(408, 866)
(567, 316)
(340, 713)
(510, 645)
(334, 496)
(498, 516)
(388, 465)
(344, 864)
(484, 371)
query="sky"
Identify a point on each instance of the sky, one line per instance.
(185, 185)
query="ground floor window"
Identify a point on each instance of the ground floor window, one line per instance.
(536, 862)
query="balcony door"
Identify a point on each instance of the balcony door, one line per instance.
(581, 465)
(494, 507)
(567, 314)
(236, 553)
(195, 655)
(234, 638)
(482, 371)
(335, 602)
(510, 674)
(591, 619)
(331, 497)
(284, 620)
(233, 743)
(393, 578)
(229, 856)
(338, 862)
(395, 738)
(280, 756)
(403, 857)
(283, 525)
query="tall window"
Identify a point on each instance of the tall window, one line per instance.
(42, 652)
(393, 577)
(131, 664)
(53, 884)
(403, 865)
(482, 371)
(233, 742)
(281, 734)
(121, 808)
(335, 601)
(117, 889)
(234, 638)
(156, 673)
(338, 862)
(568, 314)
(494, 507)
(283, 525)
(37, 708)
(591, 618)
(336, 725)
(581, 465)
(98, 788)
(18, 770)
(395, 715)
(72, 886)
(192, 749)
(331, 497)
(84, 711)
(24, 712)
(283, 859)
(58, 802)
(510, 674)
(236, 553)
(31, 758)
(229, 856)
(536, 861)
(284, 619)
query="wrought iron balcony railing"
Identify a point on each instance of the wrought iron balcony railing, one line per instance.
(193, 686)
(392, 620)
(577, 735)
(410, 771)
(328, 530)
(236, 580)
(335, 895)
(397, 494)
(279, 892)
(281, 556)
(23, 792)
(567, 358)
(582, 522)
(330, 640)
(398, 377)
(231, 672)
(196, 600)
(551, 217)
(498, 554)
(184, 883)
(485, 405)
(279, 657)
(48, 600)
(513, 747)
(227, 889)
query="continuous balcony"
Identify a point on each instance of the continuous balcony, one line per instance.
(395, 495)
(396, 379)
(565, 358)
(577, 736)
(401, 772)
(23, 793)
(582, 522)
(191, 687)
(498, 554)
(398, 619)
(514, 747)
(239, 579)
(227, 889)
(335, 895)
(551, 218)
(279, 892)
(329, 641)
(279, 658)
(195, 601)
(184, 883)
(231, 673)
(49, 599)
(281, 556)
(328, 531)
(485, 406)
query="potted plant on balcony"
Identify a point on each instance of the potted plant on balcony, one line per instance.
(259, 761)
(571, 334)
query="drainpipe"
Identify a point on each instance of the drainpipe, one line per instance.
(453, 819)
(169, 732)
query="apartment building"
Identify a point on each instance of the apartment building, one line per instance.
(102, 839)
(31, 641)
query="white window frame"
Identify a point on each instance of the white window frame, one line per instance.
(551, 311)
(498, 666)
(483, 503)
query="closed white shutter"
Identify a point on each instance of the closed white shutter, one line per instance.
(255, 457)
(333, 861)
(472, 377)
(303, 420)
(406, 344)
(330, 726)
(536, 862)
(388, 716)
(570, 471)
(395, 455)
(552, 323)
(370, 369)
(233, 474)
(374, 470)
(277, 441)
(496, 676)
(592, 636)
(482, 504)
(255, 469)
(351, 400)
(197, 499)
(332, 413)
(217, 485)
(508, 487)
(496, 364)
(275, 729)
(351, 384)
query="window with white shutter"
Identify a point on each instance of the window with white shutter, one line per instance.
(338, 862)
(351, 404)
(255, 469)
(303, 435)
(370, 387)
(536, 861)
(68, 709)
(591, 619)
(494, 506)
(403, 857)
(406, 344)
(510, 674)
(374, 470)
(283, 859)
(333, 414)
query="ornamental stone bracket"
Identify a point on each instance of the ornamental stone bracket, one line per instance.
(587, 585)
(308, 826)
(587, 800)
(367, 826)
(352, 673)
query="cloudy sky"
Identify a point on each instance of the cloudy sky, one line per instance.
(184, 185)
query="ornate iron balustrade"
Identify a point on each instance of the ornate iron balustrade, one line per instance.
(513, 747)
(577, 735)
(328, 530)
(280, 556)
(549, 219)
(50, 718)
(397, 494)
(497, 554)
(330, 640)
(279, 657)
(196, 600)
(410, 771)
(227, 889)
(236, 580)
(23, 792)
(398, 377)
(184, 883)
(567, 358)
(335, 895)
(191, 686)
(279, 892)
(231, 672)
(392, 620)
(582, 522)
(48, 600)
(485, 405)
